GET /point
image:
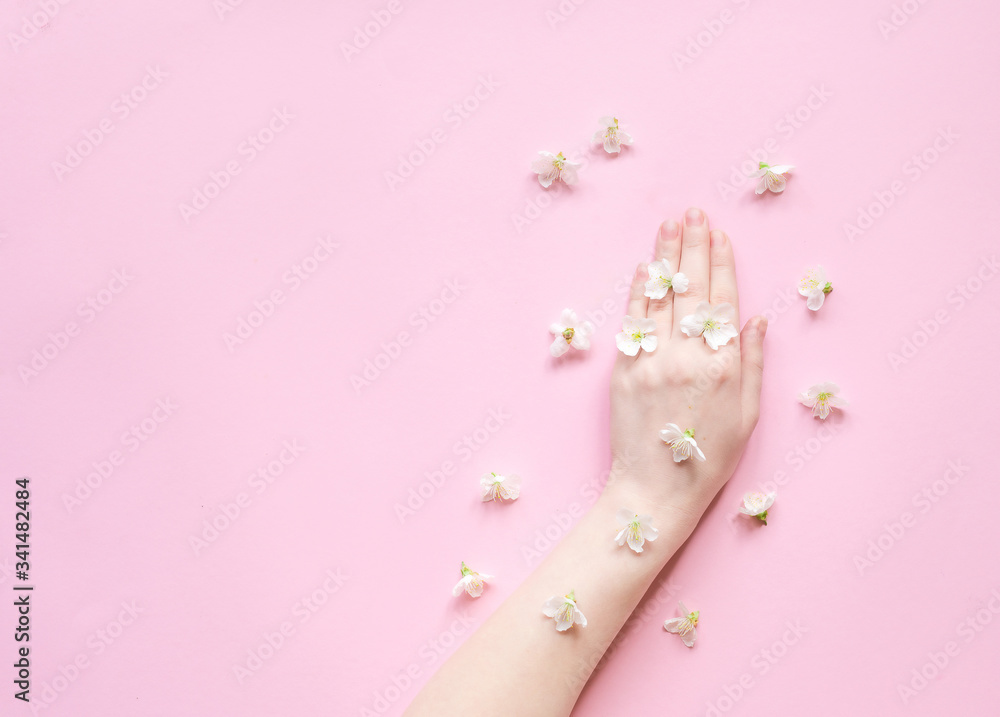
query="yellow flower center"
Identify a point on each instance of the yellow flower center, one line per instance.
(635, 530)
(568, 334)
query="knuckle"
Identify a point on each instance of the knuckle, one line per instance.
(696, 287)
(724, 297)
(661, 304)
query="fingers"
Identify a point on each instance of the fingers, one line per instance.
(637, 301)
(722, 273)
(637, 304)
(694, 263)
(752, 350)
(668, 248)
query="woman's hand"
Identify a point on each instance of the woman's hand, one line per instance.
(684, 381)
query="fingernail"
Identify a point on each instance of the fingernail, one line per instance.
(694, 217)
(670, 229)
(718, 237)
(762, 326)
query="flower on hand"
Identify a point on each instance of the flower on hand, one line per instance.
(550, 167)
(772, 178)
(756, 504)
(662, 279)
(822, 398)
(682, 443)
(471, 582)
(635, 334)
(635, 528)
(611, 135)
(501, 488)
(684, 626)
(570, 331)
(712, 322)
(564, 611)
(815, 286)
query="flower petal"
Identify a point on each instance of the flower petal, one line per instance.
(646, 326)
(635, 541)
(692, 325)
(724, 312)
(671, 432)
(626, 345)
(552, 605)
(674, 624)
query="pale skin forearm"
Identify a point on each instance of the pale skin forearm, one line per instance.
(517, 663)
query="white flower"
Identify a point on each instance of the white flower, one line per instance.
(662, 279)
(712, 322)
(550, 167)
(564, 611)
(681, 442)
(822, 398)
(815, 286)
(635, 334)
(570, 331)
(611, 135)
(757, 503)
(498, 487)
(635, 528)
(684, 626)
(471, 582)
(772, 178)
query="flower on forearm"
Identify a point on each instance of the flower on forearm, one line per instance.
(756, 504)
(612, 135)
(635, 528)
(635, 334)
(815, 287)
(550, 167)
(471, 582)
(682, 443)
(712, 322)
(772, 178)
(564, 611)
(822, 398)
(684, 626)
(501, 488)
(662, 279)
(570, 331)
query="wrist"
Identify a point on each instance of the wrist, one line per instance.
(674, 511)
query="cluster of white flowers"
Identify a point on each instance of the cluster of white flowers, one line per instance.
(713, 323)
(552, 167)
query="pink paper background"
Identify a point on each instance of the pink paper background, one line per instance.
(470, 212)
